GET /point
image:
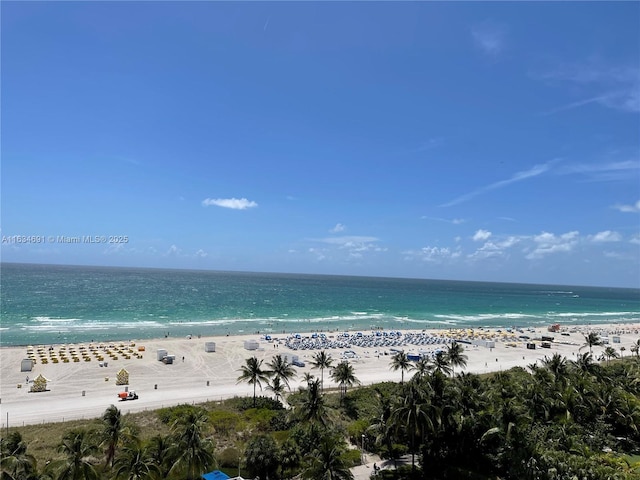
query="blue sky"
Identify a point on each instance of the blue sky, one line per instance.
(470, 141)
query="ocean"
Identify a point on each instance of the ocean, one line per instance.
(53, 304)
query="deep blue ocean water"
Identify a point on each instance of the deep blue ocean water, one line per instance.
(45, 304)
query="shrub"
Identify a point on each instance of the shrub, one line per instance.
(171, 414)
(246, 403)
(229, 457)
(225, 422)
(352, 458)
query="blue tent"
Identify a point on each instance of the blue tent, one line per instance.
(216, 475)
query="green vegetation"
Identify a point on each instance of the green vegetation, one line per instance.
(559, 419)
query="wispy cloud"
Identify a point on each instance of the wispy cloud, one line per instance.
(453, 221)
(425, 146)
(611, 86)
(354, 245)
(518, 177)
(431, 254)
(635, 208)
(233, 203)
(338, 228)
(604, 171)
(489, 38)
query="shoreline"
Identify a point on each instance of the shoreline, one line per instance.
(405, 325)
(84, 388)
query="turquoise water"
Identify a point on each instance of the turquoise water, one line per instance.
(43, 304)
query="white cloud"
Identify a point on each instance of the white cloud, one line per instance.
(548, 243)
(606, 236)
(338, 228)
(494, 249)
(635, 239)
(233, 203)
(201, 254)
(347, 240)
(432, 254)
(489, 38)
(481, 235)
(354, 245)
(173, 251)
(518, 177)
(628, 208)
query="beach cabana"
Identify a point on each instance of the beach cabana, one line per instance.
(39, 384)
(122, 377)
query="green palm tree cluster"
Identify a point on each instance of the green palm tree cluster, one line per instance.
(444, 361)
(186, 453)
(276, 377)
(515, 424)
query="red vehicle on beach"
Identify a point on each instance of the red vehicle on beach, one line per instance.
(123, 396)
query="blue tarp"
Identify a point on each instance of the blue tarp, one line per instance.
(216, 475)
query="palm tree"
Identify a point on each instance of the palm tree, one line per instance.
(113, 428)
(308, 378)
(289, 458)
(321, 360)
(422, 368)
(277, 387)
(585, 364)
(282, 369)
(312, 408)
(557, 365)
(441, 363)
(159, 450)
(253, 374)
(610, 353)
(456, 356)
(344, 376)
(326, 461)
(382, 426)
(411, 415)
(193, 453)
(16, 463)
(262, 456)
(635, 348)
(78, 448)
(592, 340)
(400, 361)
(134, 462)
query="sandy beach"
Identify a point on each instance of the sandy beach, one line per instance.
(85, 388)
